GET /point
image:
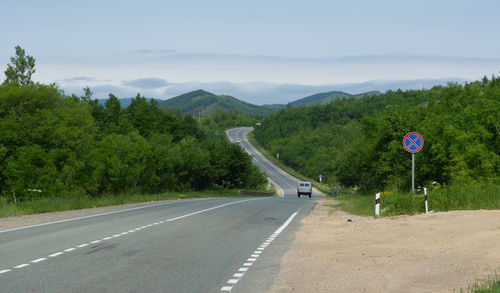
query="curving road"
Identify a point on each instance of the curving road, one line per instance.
(208, 245)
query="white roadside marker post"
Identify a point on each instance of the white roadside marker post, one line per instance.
(426, 207)
(377, 204)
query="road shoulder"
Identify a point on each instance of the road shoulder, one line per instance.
(337, 252)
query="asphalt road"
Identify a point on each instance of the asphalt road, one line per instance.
(207, 245)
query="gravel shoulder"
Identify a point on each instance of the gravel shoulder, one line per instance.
(439, 252)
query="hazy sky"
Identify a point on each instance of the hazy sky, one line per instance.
(163, 47)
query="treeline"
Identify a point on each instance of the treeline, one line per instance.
(358, 141)
(217, 122)
(52, 144)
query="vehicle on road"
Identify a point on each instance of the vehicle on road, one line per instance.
(304, 187)
(238, 140)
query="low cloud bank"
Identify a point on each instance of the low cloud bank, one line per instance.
(257, 93)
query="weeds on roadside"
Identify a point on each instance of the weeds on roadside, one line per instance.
(491, 286)
(474, 196)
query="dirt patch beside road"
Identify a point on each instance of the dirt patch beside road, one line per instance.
(440, 252)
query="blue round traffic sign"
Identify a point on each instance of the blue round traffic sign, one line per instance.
(413, 142)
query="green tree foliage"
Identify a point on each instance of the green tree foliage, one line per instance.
(71, 146)
(216, 123)
(358, 142)
(21, 69)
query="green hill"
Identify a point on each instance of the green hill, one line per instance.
(204, 103)
(325, 98)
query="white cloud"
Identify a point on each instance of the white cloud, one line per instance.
(163, 74)
(146, 83)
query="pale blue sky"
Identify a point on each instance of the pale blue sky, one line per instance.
(114, 43)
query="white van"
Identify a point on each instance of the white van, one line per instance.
(304, 187)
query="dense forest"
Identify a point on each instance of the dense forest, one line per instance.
(52, 144)
(358, 141)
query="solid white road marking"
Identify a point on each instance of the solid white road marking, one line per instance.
(116, 235)
(96, 215)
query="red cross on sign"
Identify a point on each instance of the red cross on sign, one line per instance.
(413, 142)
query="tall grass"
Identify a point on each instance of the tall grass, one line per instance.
(474, 196)
(491, 286)
(55, 204)
(471, 197)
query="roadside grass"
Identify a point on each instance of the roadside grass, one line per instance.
(56, 204)
(356, 204)
(491, 286)
(474, 196)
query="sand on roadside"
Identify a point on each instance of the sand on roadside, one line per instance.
(439, 252)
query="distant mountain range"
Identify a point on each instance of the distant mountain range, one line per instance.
(201, 102)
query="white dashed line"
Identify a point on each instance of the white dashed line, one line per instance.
(118, 235)
(39, 260)
(56, 254)
(255, 255)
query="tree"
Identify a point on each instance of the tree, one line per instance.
(21, 69)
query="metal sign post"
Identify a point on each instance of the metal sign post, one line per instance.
(413, 172)
(413, 143)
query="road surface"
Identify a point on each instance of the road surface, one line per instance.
(207, 245)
